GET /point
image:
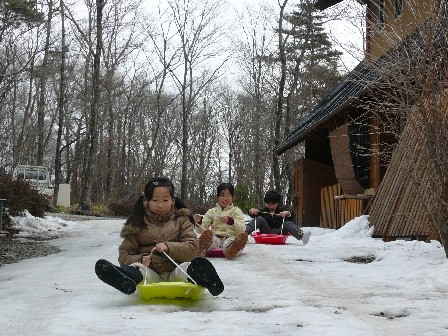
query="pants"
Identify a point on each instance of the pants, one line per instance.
(140, 272)
(223, 243)
(263, 226)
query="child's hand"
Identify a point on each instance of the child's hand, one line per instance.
(161, 247)
(254, 211)
(197, 218)
(284, 214)
(146, 259)
(227, 219)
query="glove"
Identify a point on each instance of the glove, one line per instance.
(160, 263)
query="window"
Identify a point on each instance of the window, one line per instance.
(398, 8)
(33, 174)
(381, 13)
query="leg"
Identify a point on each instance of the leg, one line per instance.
(177, 275)
(233, 246)
(296, 232)
(250, 227)
(202, 271)
(124, 278)
(260, 224)
(148, 275)
(291, 228)
(205, 241)
(216, 243)
(208, 241)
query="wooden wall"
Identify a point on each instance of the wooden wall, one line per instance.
(382, 38)
(408, 199)
(310, 178)
(342, 161)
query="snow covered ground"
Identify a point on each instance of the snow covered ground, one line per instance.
(289, 289)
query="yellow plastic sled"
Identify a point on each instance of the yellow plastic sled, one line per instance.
(170, 290)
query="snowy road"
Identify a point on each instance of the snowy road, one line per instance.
(288, 290)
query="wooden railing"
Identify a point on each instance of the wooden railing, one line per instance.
(338, 209)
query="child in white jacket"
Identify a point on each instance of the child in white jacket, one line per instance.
(223, 225)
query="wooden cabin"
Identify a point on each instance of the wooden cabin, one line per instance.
(352, 161)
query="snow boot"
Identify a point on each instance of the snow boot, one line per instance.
(203, 272)
(205, 241)
(116, 276)
(303, 236)
(237, 245)
(306, 237)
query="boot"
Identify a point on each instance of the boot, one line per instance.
(203, 272)
(303, 236)
(205, 241)
(115, 276)
(236, 246)
(306, 237)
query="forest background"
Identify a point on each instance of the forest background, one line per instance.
(109, 93)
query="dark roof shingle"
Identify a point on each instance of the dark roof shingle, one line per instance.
(353, 85)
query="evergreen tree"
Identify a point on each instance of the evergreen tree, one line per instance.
(311, 56)
(308, 71)
(16, 12)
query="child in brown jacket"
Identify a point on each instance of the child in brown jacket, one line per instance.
(156, 228)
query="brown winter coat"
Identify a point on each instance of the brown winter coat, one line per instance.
(175, 230)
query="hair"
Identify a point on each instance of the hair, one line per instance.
(272, 196)
(225, 186)
(179, 204)
(138, 212)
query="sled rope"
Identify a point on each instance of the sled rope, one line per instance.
(146, 269)
(269, 213)
(175, 263)
(255, 221)
(283, 222)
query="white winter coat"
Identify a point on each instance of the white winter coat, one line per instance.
(212, 220)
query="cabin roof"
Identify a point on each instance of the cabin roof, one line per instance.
(352, 86)
(324, 4)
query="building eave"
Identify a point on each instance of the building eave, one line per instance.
(354, 85)
(324, 4)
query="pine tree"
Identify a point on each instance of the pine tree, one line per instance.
(15, 12)
(308, 66)
(310, 55)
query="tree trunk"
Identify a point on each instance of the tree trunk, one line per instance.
(58, 151)
(281, 89)
(42, 87)
(93, 132)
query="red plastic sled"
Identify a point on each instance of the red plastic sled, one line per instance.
(269, 238)
(215, 253)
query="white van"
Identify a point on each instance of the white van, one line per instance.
(39, 178)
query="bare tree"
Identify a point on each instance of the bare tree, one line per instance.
(199, 40)
(282, 39)
(60, 106)
(42, 86)
(94, 108)
(252, 47)
(203, 142)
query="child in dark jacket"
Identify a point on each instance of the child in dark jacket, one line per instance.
(154, 231)
(273, 217)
